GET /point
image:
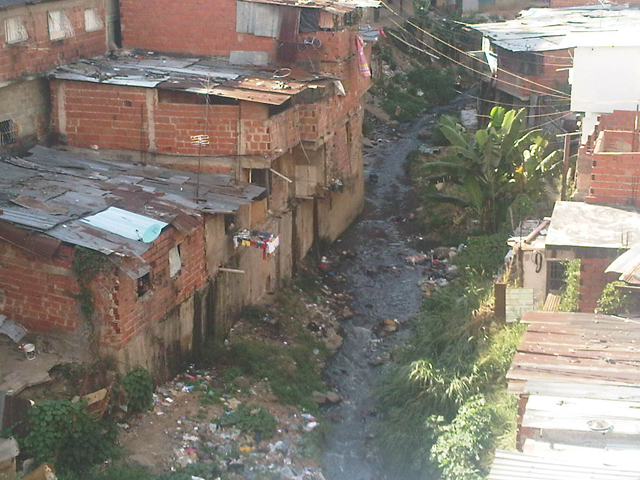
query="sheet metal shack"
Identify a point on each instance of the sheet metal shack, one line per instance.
(160, 237)
(577, 377)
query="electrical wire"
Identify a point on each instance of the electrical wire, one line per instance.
(563, 94)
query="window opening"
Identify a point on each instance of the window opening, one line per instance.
(15, 31)
(7, 132)
(59, 25)
(175, 261)
(229, 222)
(92, 20)
(144, 284)
(555, 275)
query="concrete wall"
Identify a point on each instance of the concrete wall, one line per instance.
(27, 104)
(518, 301)
(595, 91)
(536, 281)
(166, 346)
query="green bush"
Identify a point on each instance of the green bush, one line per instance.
(452, 372)
(66, 434)
(459, 444)
(139, 387)
(483, 254)
(571, 291)
(614, 300)
(250, 419)
(292, 371)
(436, 85)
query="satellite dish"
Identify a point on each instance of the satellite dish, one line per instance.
(151, 233)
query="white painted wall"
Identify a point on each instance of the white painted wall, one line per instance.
(605, 78)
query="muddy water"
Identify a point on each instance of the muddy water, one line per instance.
(383, 286)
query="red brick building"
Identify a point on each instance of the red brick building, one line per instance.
(294, 123)
(39, 36)
(608, 166)
(256, 105)
(526, 62)
(148, 289)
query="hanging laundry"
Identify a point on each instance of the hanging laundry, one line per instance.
(365, 71)
(265, 241)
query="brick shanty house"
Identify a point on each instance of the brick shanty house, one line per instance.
(248, 119)
(279, 102)
(36, 37)
(526, 61)
(152, 299)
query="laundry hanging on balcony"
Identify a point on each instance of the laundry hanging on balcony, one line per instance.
(267, 242)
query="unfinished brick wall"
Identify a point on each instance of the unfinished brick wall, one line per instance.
(37, 291)
(554, 73)
(108, 116)
(40, 292)
(618, 120)
(189, 26)
(615, 178)
(133, 314)
(592, 281)
(38, 54)
(174, 124)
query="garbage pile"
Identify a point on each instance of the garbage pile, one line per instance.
(244, 433)
(438, 269)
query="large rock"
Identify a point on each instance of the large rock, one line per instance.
(333, 397)
(333, 342)
(242, 382)
(319, 397)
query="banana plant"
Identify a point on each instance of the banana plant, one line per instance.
(500, 161)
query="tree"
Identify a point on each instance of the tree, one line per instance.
(492, 168)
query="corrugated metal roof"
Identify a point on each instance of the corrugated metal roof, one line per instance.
(576, 347)
(520, 466)
(578, 224)
(192, 75)
(627, 265)
(579, 374)
(547, 29)
(76, 187)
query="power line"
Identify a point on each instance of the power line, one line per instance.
(471, 56)
(473, 69)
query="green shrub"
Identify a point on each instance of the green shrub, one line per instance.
(436, 85)
(459, 444)
(483, 254)
(571, 291)
(139, 387)
(614, 300)
(292, 371)
(250, 419)
(65, 433)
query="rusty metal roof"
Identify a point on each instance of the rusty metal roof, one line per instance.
(579, 374)
(520, 466)
(192, 75)
(548, 29)
(44, 197)
(574, 347)
(627, 265)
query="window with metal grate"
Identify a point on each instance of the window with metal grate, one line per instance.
(7, 132)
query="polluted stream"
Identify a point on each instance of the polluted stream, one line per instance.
(371, 257)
